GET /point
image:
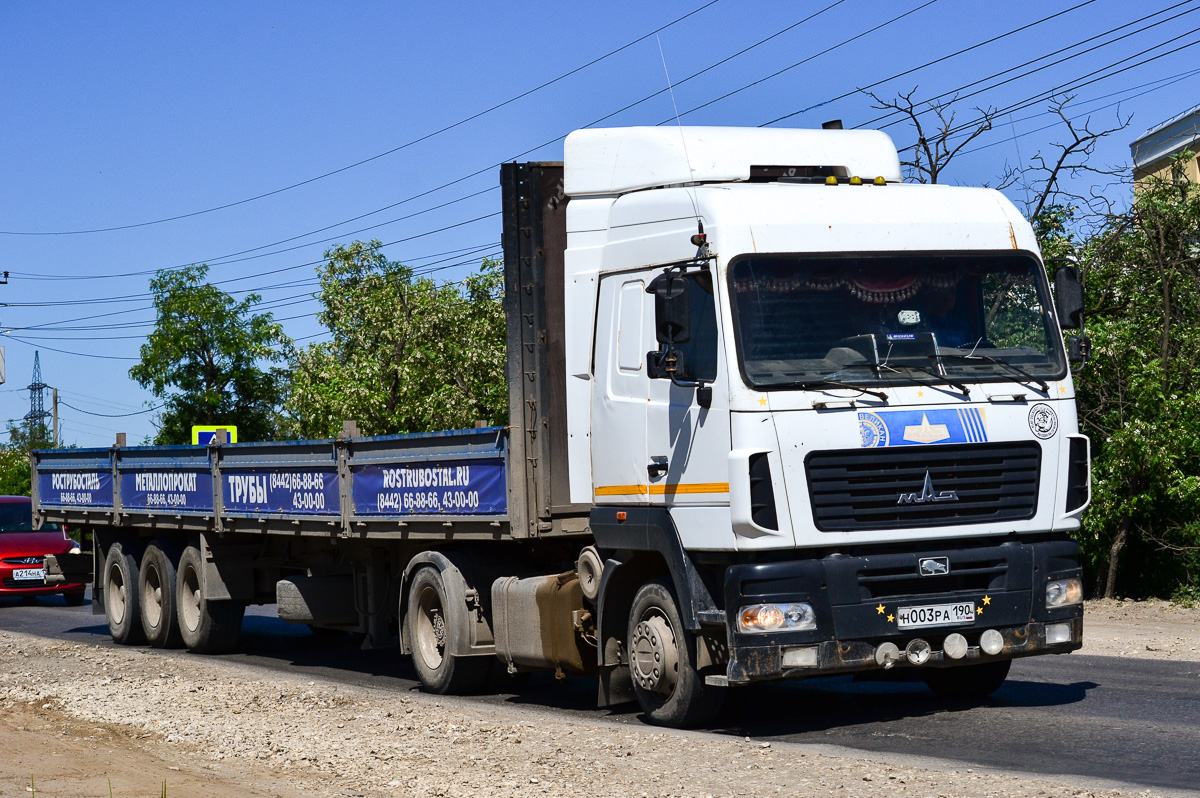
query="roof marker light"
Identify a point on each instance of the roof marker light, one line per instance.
(879, 181)
(856, 181)
(831, 181)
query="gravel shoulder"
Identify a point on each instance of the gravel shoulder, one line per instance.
(79, 716)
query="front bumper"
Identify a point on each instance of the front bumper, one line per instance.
(761, 663)
(857, 601)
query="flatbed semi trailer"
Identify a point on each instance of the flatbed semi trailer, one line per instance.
(773, 414)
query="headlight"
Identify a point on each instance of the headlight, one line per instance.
(773, 617)
(1064, 592)
(75, 550)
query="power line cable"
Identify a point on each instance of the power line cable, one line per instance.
(929, 63)
(112, 415)
(475, 255)
(1078, 83)
(136, 297)
(222, 260)
(957, 98)
(379, 155)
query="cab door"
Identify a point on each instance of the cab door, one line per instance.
(689, 444)
(620, 393)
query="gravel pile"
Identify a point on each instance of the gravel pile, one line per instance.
(332, 739)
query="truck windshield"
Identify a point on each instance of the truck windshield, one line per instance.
(894, 319)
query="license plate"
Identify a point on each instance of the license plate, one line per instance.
(29, 573)
(936, 615)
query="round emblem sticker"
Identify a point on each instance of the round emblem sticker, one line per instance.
(1043, 421)
(874, 432)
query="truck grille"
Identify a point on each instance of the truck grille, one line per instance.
(863, 489)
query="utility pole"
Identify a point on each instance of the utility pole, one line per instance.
(54, 405)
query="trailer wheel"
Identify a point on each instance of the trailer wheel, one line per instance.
(661, 660)
(967, 682)
(160, 619)
(122, 607)
(207, 627)
(430, 627)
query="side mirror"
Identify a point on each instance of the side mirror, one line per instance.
(672, 308)
(1068, 297)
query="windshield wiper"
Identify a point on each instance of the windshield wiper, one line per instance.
(1025, 377)
(808, 386)
(926, 370)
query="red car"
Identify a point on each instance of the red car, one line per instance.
(23, 553)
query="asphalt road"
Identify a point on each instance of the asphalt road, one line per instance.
(1129, 721)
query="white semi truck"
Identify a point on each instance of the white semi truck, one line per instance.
(774, 414)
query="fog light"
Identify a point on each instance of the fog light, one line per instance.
(887, 655)
(804, 657)
(1064, 592)
(1058, 633)
(917, 652)
(955, 646)
(992, 642)
(777, 617)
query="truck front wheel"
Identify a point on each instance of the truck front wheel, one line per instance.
(662, 662)
(122, 606)
(160, 620)
(967, 682)
(430, 627)
(207, 627)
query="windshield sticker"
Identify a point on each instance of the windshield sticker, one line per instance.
(920, 427)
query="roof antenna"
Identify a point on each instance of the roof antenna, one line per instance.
(700, 239)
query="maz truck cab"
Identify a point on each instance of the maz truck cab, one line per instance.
(837, 405)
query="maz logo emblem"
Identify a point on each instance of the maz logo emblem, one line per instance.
(934, 566)
(928, 494)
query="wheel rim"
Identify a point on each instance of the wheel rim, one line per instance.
(654, 660)
(430, 628)
(115, 599)
(152, 597)
(189, 599)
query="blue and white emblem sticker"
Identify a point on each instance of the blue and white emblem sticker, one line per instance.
(918, 427)
(1043, 421)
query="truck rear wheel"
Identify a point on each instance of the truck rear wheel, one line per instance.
(430, 628)
(661, 660)
(160, 619)
(207, 627)
(122, 607)
(967, 682)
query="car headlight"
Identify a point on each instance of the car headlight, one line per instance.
(776, 617)
(75, 550)
(1064, 592)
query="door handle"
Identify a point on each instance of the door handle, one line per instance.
(657, 467)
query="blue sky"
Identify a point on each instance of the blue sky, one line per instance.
(122, 114)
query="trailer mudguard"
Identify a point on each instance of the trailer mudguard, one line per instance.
(474, 626)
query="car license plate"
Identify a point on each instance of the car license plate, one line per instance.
(29, 573)
(936, 615)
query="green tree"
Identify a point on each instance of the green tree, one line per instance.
(407, 354)
(208, 359)
(14, 458)
(1138, 397)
